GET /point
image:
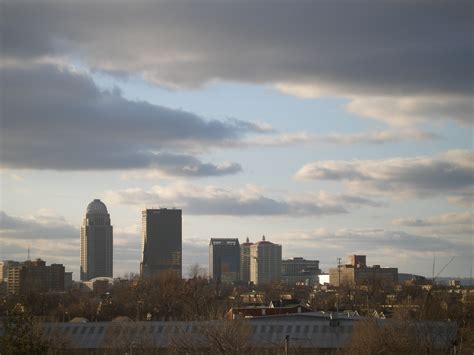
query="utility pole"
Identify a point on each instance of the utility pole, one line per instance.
(339, 271)
(287, 344)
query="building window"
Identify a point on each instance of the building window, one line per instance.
(306, 328)
(315, 328)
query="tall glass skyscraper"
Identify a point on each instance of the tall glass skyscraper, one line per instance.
(224, 259)
(161, 241)
(96, 242)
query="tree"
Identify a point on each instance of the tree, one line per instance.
(222, 337)
(22, 335)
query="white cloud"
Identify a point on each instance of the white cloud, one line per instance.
(247, 201)
(369, 137)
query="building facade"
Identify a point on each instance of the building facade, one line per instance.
(300, 270)
(96, 242)
(265, 262)
(224, 260)
(35, 276)
(161, 241)
(245, 261)
(357, 273)
(4, 266)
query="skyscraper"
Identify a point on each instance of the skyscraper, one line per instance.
(96, 242)
(161, 241)
(224, 259)
(245, 261)
(265, 262)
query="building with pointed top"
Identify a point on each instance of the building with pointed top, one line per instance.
(265, 262)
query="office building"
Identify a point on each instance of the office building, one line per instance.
(4, 266)
(299, 270)
(265, 262)
(245, 261)
(161, 241)
(224, 260)
(35, 276)
(96, 242)
(357, 273)
(357, 261)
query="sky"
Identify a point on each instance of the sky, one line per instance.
(330, 127)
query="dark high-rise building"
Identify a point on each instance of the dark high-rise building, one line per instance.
(161, 241)
(245, 261)
(96, 242)
(224, 259)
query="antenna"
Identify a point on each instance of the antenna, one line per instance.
(470, 277)
(434, 262)
(28, 253)
(434, 278)
(339, 282)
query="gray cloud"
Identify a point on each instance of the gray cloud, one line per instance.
(58, 119)
(449, 173)
(249, 201)
(400, 62)
(465, 218)
(43, 226)
(396, 46)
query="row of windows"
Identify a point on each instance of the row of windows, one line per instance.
(305, 329)
(262, 329)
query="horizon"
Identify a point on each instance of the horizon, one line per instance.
(332, 128)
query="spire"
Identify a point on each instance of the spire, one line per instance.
(28, 253)
(248, 241)
(263, 237)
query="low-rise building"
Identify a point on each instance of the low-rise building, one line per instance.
(35, 276)
(300, 271)
(357, 273)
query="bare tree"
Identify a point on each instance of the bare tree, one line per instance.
(372, 337)
(223, 337)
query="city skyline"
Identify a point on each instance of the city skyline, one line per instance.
(331, 128)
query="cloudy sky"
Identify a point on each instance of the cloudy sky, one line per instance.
(331, 127)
